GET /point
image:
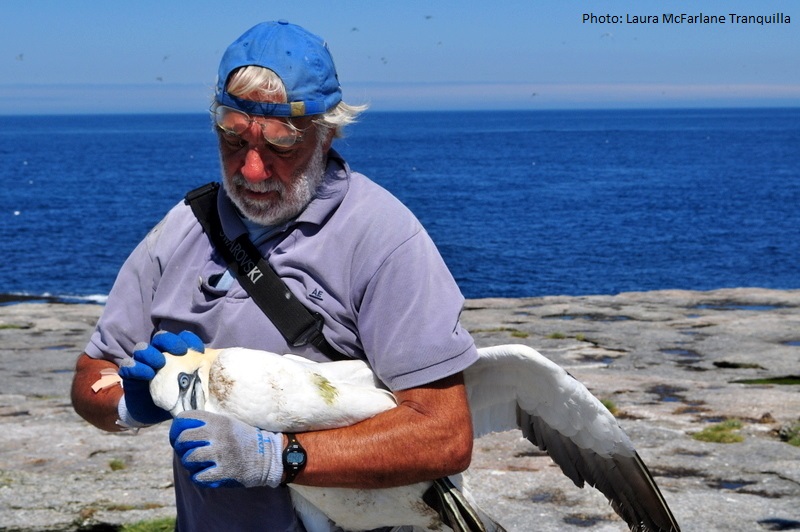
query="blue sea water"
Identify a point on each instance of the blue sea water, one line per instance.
(520, 204)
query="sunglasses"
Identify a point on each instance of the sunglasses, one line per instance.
(279, 132)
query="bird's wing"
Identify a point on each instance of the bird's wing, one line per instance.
(507, 378)
(514, 387)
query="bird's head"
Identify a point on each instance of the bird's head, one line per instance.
(182, 384)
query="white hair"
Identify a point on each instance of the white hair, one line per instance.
(265, 85)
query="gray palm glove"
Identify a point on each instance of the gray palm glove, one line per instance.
(220, 451)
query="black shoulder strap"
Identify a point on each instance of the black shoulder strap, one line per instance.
(297, 324)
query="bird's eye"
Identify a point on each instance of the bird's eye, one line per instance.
(184, 380)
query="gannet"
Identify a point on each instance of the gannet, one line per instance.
(510, 387)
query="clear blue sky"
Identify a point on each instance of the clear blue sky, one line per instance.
(79, 56)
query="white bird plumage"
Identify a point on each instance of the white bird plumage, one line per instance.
(509, 387)
(280, 393)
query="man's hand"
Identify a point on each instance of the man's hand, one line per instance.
(220, 451)
(136, 376)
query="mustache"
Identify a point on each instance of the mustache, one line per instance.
(270, 185)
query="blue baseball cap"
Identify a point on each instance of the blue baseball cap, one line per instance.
(300, 58)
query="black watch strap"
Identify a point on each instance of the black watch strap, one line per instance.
(294, 458)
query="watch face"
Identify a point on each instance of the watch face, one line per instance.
(295, 457)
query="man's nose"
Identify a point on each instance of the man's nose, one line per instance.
(256, 165)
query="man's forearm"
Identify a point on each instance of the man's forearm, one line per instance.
(427, 436)
(98, 408)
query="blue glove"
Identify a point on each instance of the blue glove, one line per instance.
(221, 451)
(147, 359)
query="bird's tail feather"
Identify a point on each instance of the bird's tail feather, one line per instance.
(455, 510)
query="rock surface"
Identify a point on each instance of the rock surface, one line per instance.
(667, 359)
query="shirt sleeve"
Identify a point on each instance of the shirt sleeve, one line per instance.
(410, 318)
(126, 318)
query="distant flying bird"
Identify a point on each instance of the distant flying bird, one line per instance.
(19, 57)
(509, 387)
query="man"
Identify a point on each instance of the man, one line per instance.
(344, 246)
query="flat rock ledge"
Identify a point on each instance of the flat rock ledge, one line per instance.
(670, 362)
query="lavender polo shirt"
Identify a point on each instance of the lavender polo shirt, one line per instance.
(355, 254)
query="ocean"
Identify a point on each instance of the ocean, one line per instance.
(519, 203)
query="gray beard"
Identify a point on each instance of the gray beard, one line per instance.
(293, 199)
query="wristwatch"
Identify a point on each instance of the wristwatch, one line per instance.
(294, 458)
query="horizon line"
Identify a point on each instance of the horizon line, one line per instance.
(639, 108)
(183, 98)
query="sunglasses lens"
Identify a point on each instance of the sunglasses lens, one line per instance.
(276, 131)
(230, 120)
